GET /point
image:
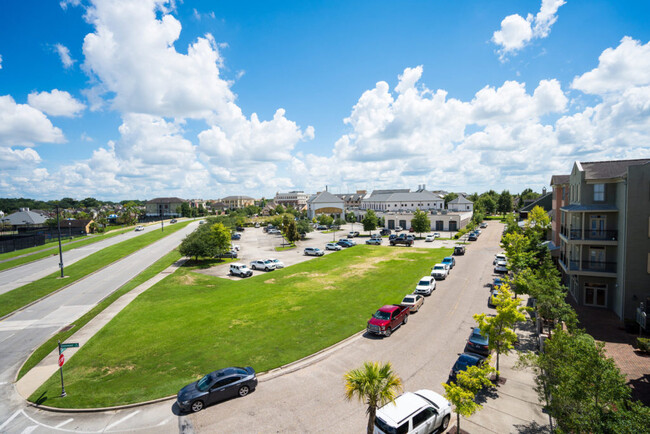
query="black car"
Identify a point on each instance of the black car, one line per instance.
(392, 237)
(216, 386)
(464, 361)
(173, 221)
(477, 343)
(384, 232)
(239, 229)
(472, 236)
(229, 254)
(235, 237)
(459, 250)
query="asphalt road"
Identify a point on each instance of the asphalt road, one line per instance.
(26, 330)
(13, 278)
(310, 399)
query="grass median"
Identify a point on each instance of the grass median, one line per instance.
(49, 250)
(19, 297)
(190, 324)
(51, 344)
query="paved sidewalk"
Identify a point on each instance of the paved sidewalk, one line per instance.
(40, 373)
(513, 406)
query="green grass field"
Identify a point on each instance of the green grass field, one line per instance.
(190, 324)
(19, 297)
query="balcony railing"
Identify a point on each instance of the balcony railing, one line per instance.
(591, 235)
(604, 267)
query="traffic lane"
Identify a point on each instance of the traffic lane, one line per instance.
(16, 277)
(422, 353)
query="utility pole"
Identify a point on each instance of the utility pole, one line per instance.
(58, 224)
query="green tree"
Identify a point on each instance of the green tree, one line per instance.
(185, 210)
(304, 226)
(350, 217)
(375, 384)
(498, 328)
(339, 221)
(528, 194)
(219, 238)
(462, 400)
(292, 233)
(130, 213)
(420, 222)
(504, 204)
(486, 203)
(196, 245)
(279, 209)
(369, 221)
(90, 202)
(325, 220)
(538, 221)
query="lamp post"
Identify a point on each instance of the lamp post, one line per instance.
(58, 225)
(69, 229)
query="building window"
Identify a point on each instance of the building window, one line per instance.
(599, 192)
(596, 294)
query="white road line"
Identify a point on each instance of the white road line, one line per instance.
(8, 421)
(121, 420)
(2, 340)
(29, 429)
(64, 423)
(164, 421)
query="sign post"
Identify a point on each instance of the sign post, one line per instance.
(61, 362)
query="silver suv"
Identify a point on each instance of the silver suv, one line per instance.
(314, 251)
(240, 270)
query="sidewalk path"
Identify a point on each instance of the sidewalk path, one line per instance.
(49, 365)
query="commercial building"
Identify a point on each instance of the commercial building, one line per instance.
(604, 233)
(237, 202)
(402, 200)
(325, 202)
(296, 199)
(164, 207)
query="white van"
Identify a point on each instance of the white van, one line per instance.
(420, 412)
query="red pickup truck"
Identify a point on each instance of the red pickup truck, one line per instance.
(387, 319)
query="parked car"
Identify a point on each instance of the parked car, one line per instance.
(349, 240)
(398, 229)
(257, 225)
(240, 270)
(492, 300)
(353, 234)
(436, 234)
(344, 243)
(483, 225)
(235, 237)
(332, 246)
(374, 241)
(278, 264)
(449, 260)
(217, 386)
(375, 237)
(426, 285)
(392, 237)
(173, 221)
(228, 254)
(413, 301)
(463, 362)
(410, 237)
(384, 232)
(266, 265)
(501, 267)
(459, 250)
(321, 227)
(477, 343)
(499, 257)
(497, 282)
(387, 319)
(239, 229)
(402, 239)
(423, 411)
(139, 228)
(411, 229)
(313, 251)
(201, 222)
(472, 236)
(429, 238)
(439, 272)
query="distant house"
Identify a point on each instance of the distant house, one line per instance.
(75, 226)
(164, 207)
(24, 219)
(460, 204)
(545, 201)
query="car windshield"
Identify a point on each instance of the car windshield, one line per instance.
(438, 267)
(205, 383)
(381, 315)
(423, 283)
(408, 300)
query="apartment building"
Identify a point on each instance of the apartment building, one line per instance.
(164, 207)
(604, 233)
(296, 199)
(237, 202)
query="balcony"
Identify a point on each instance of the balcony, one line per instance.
(589, 235)
(592, 267)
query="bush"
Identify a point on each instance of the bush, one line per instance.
(643, 344)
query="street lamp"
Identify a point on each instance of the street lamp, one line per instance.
(58, 225)
(69, 229)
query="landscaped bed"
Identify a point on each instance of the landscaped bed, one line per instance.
(191, 324)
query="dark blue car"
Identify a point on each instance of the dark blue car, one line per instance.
(477, 343)
(464, 361)
(344, 243)
(216, 386)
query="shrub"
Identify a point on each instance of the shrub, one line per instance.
(643, 344)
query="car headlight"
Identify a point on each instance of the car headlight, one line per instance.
(185, 402)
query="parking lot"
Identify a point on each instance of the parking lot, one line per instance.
(256, 244)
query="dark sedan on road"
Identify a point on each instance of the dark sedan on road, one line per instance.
(477, 343)
(216, 386)
(464, 361)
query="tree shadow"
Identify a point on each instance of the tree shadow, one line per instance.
(203, 264)
(488, 393)
(641, 388)
(532, 428)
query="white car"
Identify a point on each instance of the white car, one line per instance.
(429, 239)
(499, 257)
(425, 286)
(235, 247)
(240, 270)
(265, 265)
(398, 229)
(139, 228)
(439, 271)
(423, 411)
(501, 267)
(313, 251)
(278, 264)
(333, 246)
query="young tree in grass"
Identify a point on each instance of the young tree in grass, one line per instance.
(504, 203)
(325, 220)
(498, 328)
(462, 400)
(420, 222)
(292, 233)
(350, 217)
(304, 227)
(375, 384)
(369, 221)
(195, 245)
(220, 238)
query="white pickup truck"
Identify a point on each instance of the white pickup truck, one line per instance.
(439, 271)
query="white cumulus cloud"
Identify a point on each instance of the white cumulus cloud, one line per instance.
(56, 103)
(64, 55)
(21, 124)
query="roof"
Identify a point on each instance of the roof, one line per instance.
(460, 199)
(350, 196)
(24, 218)
(560, 179)
(404, 196)
(545, 201)
(324, 197)
(592, 207)
(237, 198)
(404, 405)
(398, 190)
(166, 200)
(609, 169)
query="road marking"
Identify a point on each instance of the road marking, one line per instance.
(8, 421)
(122, 420)
(2, 340)
(164, 421)
(29, 429)
(64, 423)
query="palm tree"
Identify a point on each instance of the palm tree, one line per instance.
(375, 385)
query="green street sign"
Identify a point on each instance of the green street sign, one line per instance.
(70, 345)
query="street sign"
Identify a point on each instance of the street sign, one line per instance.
(70, 345)
(61, 360)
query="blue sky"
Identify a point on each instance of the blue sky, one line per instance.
(201, 99)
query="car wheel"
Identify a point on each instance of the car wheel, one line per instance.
(388, 332)
(253, 267)
(243, 391)
(197, 406)
(445, 423)
(406, 318)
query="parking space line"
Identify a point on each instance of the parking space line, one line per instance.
(29, 429)
(122, 420)
(64, 423)
(8, 421)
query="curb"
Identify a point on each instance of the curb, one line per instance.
(262, 377)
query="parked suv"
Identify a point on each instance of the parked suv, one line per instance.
(423, 411)
(313, 251)
(384, 232)
(240, 270)
(266, 265)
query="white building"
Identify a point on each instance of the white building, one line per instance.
(460, 204)
(297, 199)
(403, 200)
(325, 203)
